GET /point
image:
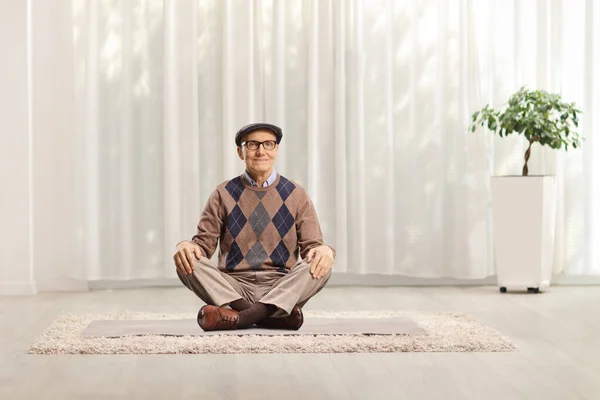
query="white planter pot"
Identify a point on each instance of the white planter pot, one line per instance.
(524, 215)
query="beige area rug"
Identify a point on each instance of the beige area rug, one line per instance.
(441, 332)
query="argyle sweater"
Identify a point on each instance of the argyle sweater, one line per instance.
(265, 228)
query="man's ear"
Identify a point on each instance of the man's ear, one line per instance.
(240, 153)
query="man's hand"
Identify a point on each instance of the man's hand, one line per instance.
(187, 253)
(321, 261)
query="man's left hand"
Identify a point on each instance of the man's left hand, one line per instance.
(321, 261)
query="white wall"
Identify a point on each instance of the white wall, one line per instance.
(15, 235)
(38, 177)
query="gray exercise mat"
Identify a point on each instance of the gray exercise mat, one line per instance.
(312, 326)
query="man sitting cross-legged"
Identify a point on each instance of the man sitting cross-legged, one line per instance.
(272, 258)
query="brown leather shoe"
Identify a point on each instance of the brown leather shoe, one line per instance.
(212, 318)
(292, 322)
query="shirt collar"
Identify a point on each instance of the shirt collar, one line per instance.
(268, 182)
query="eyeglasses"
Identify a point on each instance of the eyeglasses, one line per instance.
(254, 145)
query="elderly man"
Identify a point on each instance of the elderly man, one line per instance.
(272, 259)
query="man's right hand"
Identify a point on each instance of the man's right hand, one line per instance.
(185, 257)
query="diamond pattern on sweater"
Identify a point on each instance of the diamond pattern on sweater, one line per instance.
(256, 256)
(285, 188)
(235, 187)
(259, 219)
(236, 221)
(283, 220)
(234, 257)
(259, 225)
(279, 256)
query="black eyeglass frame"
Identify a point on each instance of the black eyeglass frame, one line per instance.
(258, 144)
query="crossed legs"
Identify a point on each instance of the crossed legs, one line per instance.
(258, 296)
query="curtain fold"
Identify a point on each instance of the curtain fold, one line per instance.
(374, 99)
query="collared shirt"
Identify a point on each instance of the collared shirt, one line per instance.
(268, 182)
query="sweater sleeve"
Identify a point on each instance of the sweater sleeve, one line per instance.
(307, 225)
(210, 225)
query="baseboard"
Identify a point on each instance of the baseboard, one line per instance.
(62, 285)
(358, 280)
(341, 279)
(18, 289)
(576, 280)
(134, 284)
(397, 280)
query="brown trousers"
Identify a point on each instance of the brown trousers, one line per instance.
(218, 288)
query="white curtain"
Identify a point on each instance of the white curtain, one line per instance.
(374, 98)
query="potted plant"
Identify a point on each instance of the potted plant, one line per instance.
(523, 206)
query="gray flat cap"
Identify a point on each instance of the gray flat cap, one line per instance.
(256, 126)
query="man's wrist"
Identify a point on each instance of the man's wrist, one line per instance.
(177, 245)
(332, 251)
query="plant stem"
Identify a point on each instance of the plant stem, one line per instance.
(527, 154)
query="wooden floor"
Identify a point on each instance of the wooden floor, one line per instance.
(558, 334)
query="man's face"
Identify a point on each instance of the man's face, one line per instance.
(259, 161)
